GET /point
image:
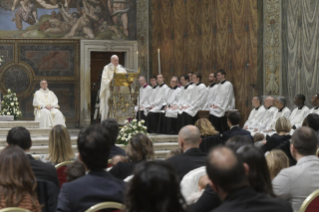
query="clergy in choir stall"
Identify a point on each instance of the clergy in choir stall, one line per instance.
(143, 102)
(212, 88)
(315, 104)
(152, 95)
(283, 110)
(157, 105)
(224, 101)
(190, 74)
(46, 108)
(107, 77)
(256, 113)
(299, 114)
(268, 116)
(198, 101)
(170, 120)
(171, 99)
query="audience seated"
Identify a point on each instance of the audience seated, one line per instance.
(267, 117)
(118, 158)
(173, 153)
(154, 188)
(237, 142)
(20, 136)
(233, 119)
(312, 121)
(259, 139)
(139, 148)
(315, 104)
(17, 182)
(296, 183)
(276, 161)
(75, 171)
(191, 158)
(94, 145)
(112, 126)
(300, 112)
(227, 174)
(205, 128)
(256, 113)
(202, 183)
(283, 128)
(60, 146)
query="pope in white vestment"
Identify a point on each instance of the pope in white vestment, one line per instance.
(107, 77)
(46, 107)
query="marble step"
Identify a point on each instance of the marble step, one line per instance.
(36, 132)
(26, 124)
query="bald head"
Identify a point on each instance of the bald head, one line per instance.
(189, 136)
(269, 101)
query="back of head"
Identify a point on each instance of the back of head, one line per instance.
(113, 127)
(94, 145)
(159, 181)
(312, 121)
(276, 161)
(60, 146)
(140, 147)
(259, 137)
(259, 177)
(205, 127)
(283, 125)
(305, 141)
(234, 118)
(225, 169)
(16, 177)
(238, 141)
(190, 135)
(75, 171)
(19, 136)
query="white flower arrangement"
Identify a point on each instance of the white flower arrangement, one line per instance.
(10, 105)
(130, 129)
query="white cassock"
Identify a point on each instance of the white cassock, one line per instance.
(187, 98)
(266, 119)
(172, 96)
(159, 98)
(143, 98)
(224, 99)
(105, 94)
(284, 112)
(298, 115)
(212, 93)
(47, 118)
(314, 110)
(255, 116)
(198, 100)
(179, 102)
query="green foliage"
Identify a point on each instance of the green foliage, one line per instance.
(130, 129)
(10, 105)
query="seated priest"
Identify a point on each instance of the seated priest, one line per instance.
(157, 105)
(197, 102)
(300, 112)
(171, 99)
(143, 99)
(256, 113)
(46, 108)
(283, 110)
(315, 104)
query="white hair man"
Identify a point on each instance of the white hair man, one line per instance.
(107, 77)
(46, 107)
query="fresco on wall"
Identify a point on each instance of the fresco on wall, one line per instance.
(68, 19)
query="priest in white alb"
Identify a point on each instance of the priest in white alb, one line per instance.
(256, 114)
(46, 107)
(283, 110)
(107, 77)
(300, 112)
(315, 104)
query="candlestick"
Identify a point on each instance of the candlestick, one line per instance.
(159, 60)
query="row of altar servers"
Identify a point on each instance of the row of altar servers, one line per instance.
(167, 109)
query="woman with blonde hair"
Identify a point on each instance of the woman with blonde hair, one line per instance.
(60, 146)
(282, 128)
(139, 148)
(276, 161)
(205, 128)
(17, 181)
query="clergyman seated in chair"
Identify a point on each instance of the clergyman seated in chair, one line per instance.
(46, 108)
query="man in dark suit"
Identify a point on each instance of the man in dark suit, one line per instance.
(191, 158)
(20, 136)
(228, 178)
(112, 126)
(233, 119)
(94, 144)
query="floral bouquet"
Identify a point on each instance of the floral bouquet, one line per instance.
(130, 129)
(10, 105)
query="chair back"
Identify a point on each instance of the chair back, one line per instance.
(311, 203)
(105, 205)
(14, 210)
(61, 170)
(317, 153)
(189, 183)
(210, 142)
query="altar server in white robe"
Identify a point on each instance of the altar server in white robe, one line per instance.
(299, 114)
(256, 114)
(157, 105)
(46, 107)
(315, 104)
(143, 98)
(198, 101)
(212, 88)
(224, 101)
(107, 77)
(268, 116)
(283, 110)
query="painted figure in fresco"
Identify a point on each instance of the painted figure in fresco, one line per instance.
(26, 13)
(119, 8)
(43, 3)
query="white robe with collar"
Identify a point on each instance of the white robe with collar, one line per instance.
(266, 119)
(159, 98)
(254, 117)
(285, 112)
(297, 116)
(143, 98)
(107, 77)
(172, 96)
(198, 100)
(47, 118)
(224, 99)
(313, 110)
(211, 97)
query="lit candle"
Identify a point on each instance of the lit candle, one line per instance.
(159, 60)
